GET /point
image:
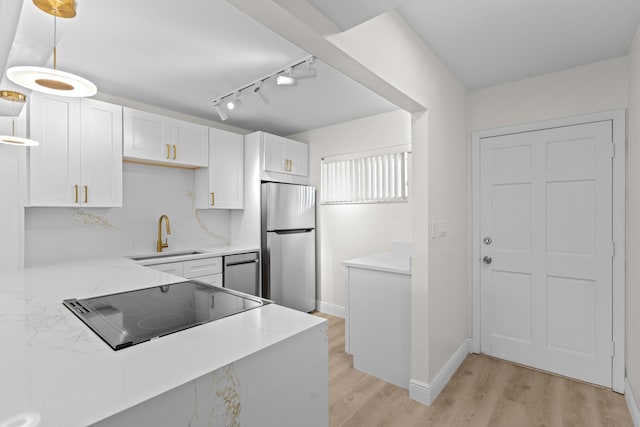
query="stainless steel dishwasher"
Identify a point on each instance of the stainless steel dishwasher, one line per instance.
(242, 273)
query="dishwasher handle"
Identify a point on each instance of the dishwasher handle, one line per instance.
(253, 261)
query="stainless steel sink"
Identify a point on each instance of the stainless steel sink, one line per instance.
(164, 255)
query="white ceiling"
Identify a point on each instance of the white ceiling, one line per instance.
(489, 42)
(180, 56)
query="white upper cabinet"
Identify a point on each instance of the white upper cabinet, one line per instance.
(152, 138)
(221, 185)
(79, 159)
(283, 155)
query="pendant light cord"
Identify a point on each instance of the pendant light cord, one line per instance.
(55, 30)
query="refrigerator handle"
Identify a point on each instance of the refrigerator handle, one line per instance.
(300, 230)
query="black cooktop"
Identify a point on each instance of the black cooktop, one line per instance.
(128, 318)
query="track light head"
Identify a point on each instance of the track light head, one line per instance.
(286, 79)
(219, 110)
(234, 103)
(257, 89)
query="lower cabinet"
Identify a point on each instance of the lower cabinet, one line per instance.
(208, 270)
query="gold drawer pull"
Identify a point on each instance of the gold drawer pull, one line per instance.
(168, 151)
(86, 194)
(213, 199)
(175, 152)
(75, 187)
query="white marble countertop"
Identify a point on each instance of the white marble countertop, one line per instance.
(398, 260)
(175, 256)
(55, 368)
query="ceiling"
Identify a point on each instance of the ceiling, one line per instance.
(181, 58)
(490, 42)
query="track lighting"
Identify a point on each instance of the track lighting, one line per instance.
(286, 76)
(286, 79)
(257, 89)
(218, 108)
(234, 103)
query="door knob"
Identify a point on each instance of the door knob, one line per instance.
(487, 260)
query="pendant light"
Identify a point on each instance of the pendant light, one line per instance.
(14, 97)
(52, 80)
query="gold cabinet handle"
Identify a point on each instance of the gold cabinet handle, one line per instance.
(290, 165)
(213, 199)
(175, 151)
(168, 151)
(75, 187)
(86, 194)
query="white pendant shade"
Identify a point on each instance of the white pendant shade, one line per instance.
(18, 142)
(52, 81)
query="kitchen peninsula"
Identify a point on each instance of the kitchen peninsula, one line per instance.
(265, 366)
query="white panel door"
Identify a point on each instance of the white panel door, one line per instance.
(298, 156)
(189, 143)
(147, 136)
(54, 165)
(546, 244)
(101, 153)
(226, 164)
(274, 151)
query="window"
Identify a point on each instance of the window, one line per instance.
(373, 177)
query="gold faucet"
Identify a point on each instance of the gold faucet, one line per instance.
(166, 242)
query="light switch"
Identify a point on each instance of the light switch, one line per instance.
(434, 229)
(442, 228)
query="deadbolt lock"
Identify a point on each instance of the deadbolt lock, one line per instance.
(487, 240)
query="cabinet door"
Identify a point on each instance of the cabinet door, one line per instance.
(226, 169)
(54, 166)
(298, 156)
(175, 268)
(211, 279)
(146, 136)
(274, 150)
(101, 154)
(189, 143)
(202, 267)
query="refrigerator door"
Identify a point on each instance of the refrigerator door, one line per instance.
(288, 206)
(292, 269)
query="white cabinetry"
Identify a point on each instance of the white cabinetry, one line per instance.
(208, 270)
(175, 268)
(220, 186)
(79, 160)
(152, 138)
(378, 323)
(283, 155)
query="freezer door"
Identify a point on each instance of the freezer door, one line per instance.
(292, 269)
(288, 206)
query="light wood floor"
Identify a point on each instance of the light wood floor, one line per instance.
(483, 392)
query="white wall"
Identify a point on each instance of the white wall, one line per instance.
(59, 234)
(441, 272)
(12, 193)
(633, 221)
(586, 89)
(350, 231)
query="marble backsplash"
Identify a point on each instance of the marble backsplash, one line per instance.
(63, 234)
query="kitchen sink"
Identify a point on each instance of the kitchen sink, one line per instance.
(164, 255)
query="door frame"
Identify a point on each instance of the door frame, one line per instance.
(619, 232)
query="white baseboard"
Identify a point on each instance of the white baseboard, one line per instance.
(632, 403)
(332, 309)
(427, 393)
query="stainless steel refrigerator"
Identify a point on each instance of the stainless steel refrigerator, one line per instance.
(289, 245)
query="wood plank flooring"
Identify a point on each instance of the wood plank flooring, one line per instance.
(483, 392)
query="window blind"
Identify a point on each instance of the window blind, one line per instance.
(382, 178)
